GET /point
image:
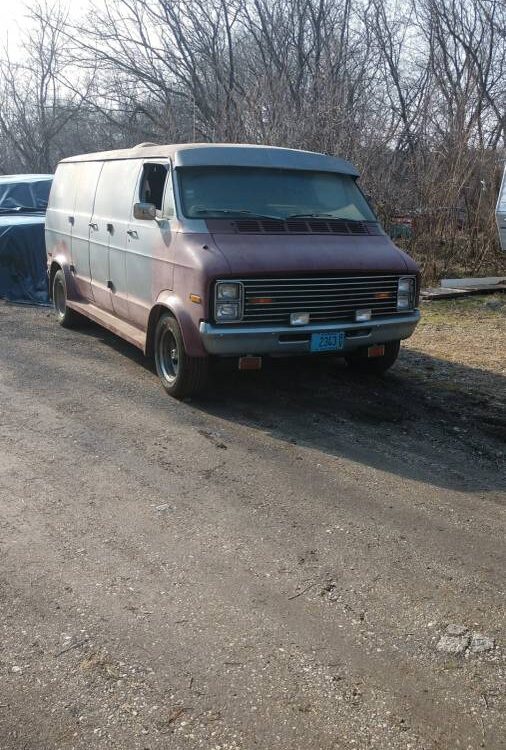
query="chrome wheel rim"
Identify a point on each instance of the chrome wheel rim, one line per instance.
(168, 356)
(59, 298)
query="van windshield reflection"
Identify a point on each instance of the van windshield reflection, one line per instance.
(217, 192)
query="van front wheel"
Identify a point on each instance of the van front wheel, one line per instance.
(180, 374)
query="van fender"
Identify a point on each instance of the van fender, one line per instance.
(60, 261)
(189, 327)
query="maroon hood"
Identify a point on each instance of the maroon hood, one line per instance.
(311, 253)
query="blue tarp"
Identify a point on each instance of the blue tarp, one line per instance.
(23, 200)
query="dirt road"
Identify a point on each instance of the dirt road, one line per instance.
(271, 566)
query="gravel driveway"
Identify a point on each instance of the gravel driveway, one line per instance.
(274, 565)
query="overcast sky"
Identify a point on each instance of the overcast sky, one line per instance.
(13, 15)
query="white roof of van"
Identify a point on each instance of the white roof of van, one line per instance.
(227, 154)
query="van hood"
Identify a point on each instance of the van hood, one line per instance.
(264, 254)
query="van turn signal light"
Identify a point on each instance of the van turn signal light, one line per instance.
(250, 363)
(383, 295)
(376, 351)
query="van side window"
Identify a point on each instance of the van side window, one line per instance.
(153, 184)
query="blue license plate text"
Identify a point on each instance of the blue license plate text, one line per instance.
(327, 342)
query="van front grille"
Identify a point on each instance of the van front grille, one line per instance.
(325, 298)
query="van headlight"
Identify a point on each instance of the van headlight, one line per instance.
(228, 290)
(227, 311)
(406, 293)
(228, 301)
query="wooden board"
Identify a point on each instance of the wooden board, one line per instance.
(440, 293)
(485, 282)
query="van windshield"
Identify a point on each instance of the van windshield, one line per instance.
(224, 192)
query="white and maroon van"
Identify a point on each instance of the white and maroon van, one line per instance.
(201, 250)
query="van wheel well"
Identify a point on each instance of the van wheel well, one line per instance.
(52, 273)
(154, 317)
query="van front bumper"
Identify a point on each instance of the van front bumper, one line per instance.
(238, 340)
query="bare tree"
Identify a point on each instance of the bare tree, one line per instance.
(36, 105)
(412, 91)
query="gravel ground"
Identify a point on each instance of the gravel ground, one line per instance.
(297, 560)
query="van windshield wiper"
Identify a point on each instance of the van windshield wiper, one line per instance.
(238, 212)
(317, 216)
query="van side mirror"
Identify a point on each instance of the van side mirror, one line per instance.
(144, 211)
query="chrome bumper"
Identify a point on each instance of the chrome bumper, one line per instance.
(239, 340)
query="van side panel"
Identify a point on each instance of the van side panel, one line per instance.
(113, 203)
(59, 214)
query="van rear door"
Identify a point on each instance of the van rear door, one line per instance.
(60, 212)
(109, 225)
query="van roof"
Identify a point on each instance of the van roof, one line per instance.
(227, 154)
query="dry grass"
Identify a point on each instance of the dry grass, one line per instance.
(470, 332)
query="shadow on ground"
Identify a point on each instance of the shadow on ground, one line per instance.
(427, 419)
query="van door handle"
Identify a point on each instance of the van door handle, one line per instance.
(71, 220)
(110, 228)
(133, 234)
(92, 225)
(110, 286)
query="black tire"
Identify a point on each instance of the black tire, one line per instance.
(180, 374)
(359, 362)
(66, 317)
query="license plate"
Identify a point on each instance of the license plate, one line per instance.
(327, 342)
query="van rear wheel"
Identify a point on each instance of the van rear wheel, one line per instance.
(66, 317)
(181, 375)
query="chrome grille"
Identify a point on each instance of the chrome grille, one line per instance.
(325, 298)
